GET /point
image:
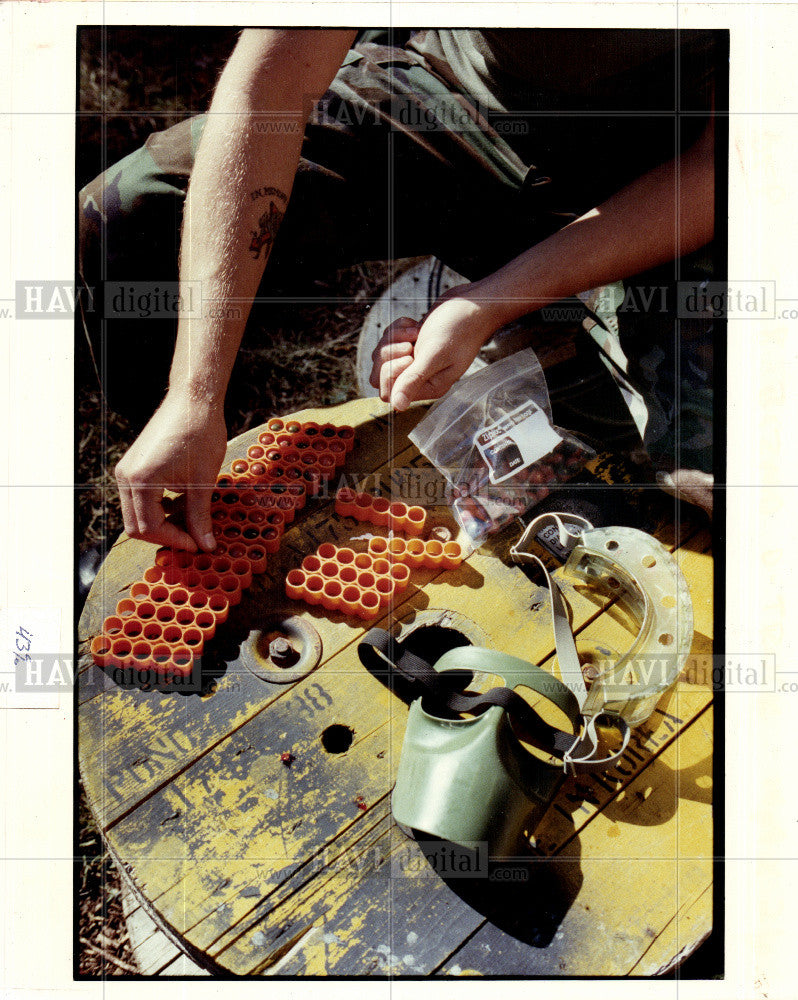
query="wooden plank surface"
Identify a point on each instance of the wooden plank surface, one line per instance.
(143, 738)
(389, 904)
(143, 833)
(628, 873)
(301, 870)
(687, 931)
(155, 954)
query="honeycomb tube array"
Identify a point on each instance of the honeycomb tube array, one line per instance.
(169, 615)
(360, 584)
(380, 511)
(416, 553)
(339, 579)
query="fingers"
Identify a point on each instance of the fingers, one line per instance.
(151, 523)
(181, 448)
(446, 343)
(396, 342)
(425, 377)
(169, 534)
(198, 516)
(417, 381)
(389, 354)
(403, 328)
(126, 503)
(389, 373)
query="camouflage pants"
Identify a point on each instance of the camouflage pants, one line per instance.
(393, 165)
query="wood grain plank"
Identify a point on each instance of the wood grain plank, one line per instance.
(402, 907)
(519, 630)
(152, 949)
(628, 873)
(142, 738)
(245, 805)
(136, 740)
(260, 937)
(182, 966)
(369, 899)
(393, 919)
(688, 929)
(234, 906)
(201, 830)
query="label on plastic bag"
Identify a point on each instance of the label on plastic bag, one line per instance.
(520, 438)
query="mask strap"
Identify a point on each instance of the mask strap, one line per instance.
(580, 756)
(378, 650)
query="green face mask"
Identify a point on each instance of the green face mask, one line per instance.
(471, 780)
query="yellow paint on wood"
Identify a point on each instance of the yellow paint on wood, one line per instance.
(633, 868)
(688, 929)
(217, 820)
(250, 806)
(642, 830)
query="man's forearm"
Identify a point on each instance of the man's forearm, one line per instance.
(663, 215)
(239, 191)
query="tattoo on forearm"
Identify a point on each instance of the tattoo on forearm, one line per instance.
(264, 192)
(263, 237)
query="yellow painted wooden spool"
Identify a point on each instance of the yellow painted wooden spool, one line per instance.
(255, 867)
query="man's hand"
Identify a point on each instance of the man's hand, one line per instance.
(422, 361)
(181, 449)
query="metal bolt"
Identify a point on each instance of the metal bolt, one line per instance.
(590, 671)
(282, 652)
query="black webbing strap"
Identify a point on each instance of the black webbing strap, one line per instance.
(378, 648)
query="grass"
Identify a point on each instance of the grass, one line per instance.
(132, 82)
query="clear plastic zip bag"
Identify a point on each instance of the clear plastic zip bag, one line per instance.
(492, 438)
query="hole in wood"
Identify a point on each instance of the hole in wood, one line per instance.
(337, 738)
(431, 641)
